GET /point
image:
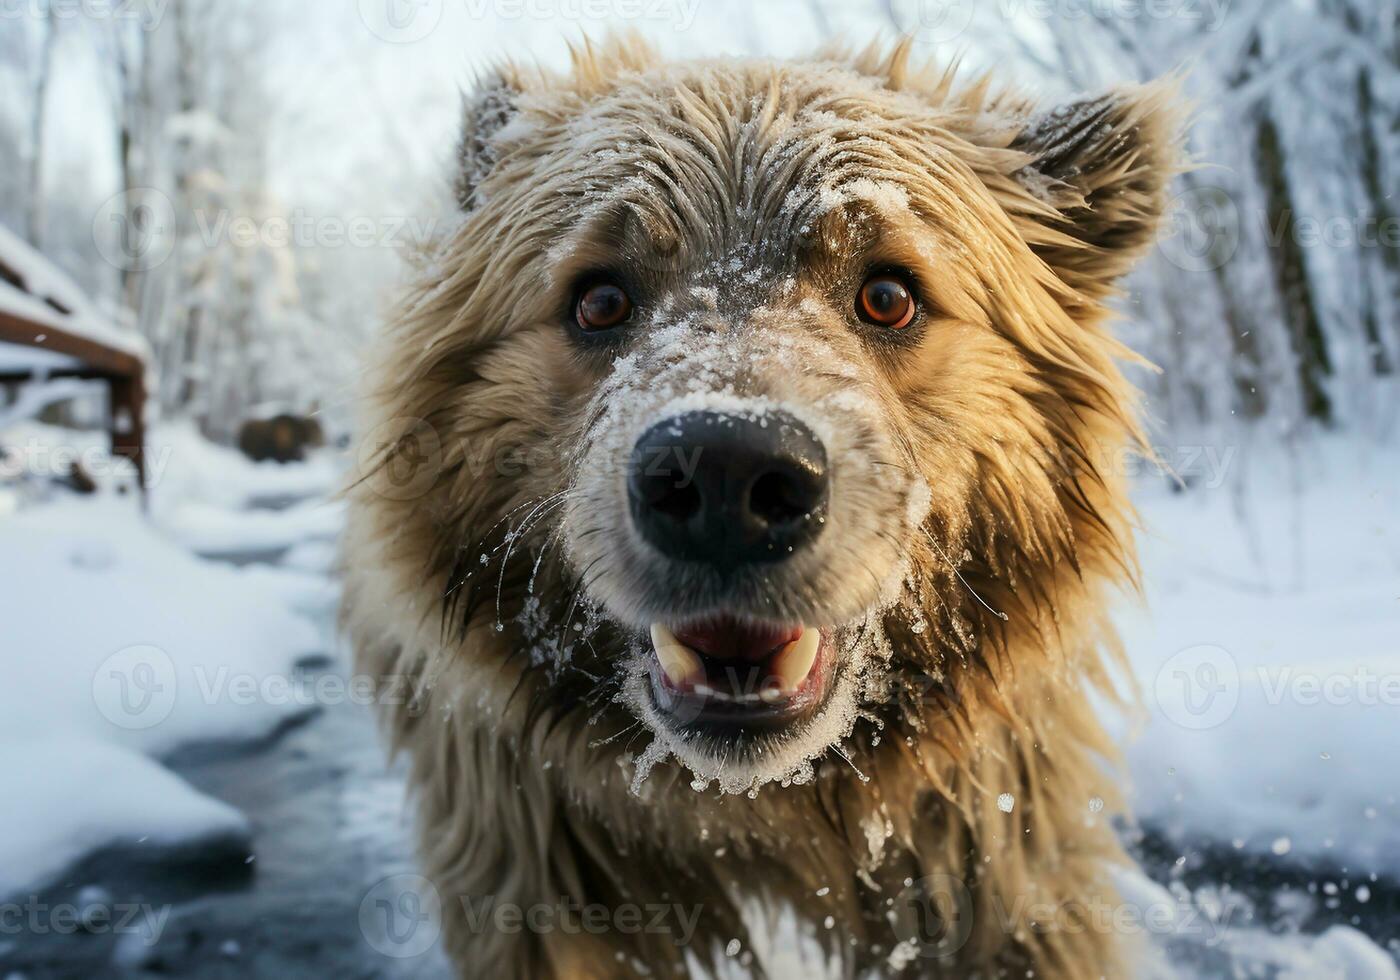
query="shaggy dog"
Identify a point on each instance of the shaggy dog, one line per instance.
(734, 508)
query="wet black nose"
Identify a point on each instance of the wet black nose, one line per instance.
(728, 490)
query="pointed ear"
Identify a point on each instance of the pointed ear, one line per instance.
(486, 111)
(1104, 164)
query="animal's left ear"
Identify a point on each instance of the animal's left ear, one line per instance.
(1105, 164)
(485, 113)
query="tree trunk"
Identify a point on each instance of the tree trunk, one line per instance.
(1384, 219)
(1302, 321)
(34, 211)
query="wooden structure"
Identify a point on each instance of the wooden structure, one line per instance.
(49, 329)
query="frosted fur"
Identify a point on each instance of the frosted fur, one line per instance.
(969, 544)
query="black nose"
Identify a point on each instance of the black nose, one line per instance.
(728, 490)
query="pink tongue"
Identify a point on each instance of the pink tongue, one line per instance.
(728, 639)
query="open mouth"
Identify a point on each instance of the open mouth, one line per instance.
(725, 672)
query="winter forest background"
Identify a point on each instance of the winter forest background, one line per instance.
(238, 183)
(295, 150)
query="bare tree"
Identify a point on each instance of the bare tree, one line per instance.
(34, 217)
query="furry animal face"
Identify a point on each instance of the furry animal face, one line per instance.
(797, 376)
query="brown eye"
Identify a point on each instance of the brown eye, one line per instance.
(602, 306)
(885, 301)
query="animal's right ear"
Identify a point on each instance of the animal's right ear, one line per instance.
(486, 111)
(1104, 163)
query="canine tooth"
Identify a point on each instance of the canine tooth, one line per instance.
(678, 661)
(794, 662)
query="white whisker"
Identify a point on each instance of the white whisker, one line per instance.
(939, 548)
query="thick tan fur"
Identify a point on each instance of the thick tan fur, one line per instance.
(1010, 408)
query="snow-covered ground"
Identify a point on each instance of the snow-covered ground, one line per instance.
(1269, 653)
(122, 647)
(1267, 650)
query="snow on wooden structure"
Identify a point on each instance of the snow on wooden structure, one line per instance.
(50, 329)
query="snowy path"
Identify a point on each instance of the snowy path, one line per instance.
(326, 830)
(278, 814)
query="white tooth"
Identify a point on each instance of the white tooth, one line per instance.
(772, 695)
(794, 662)
(704, 690)
(678, 661)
